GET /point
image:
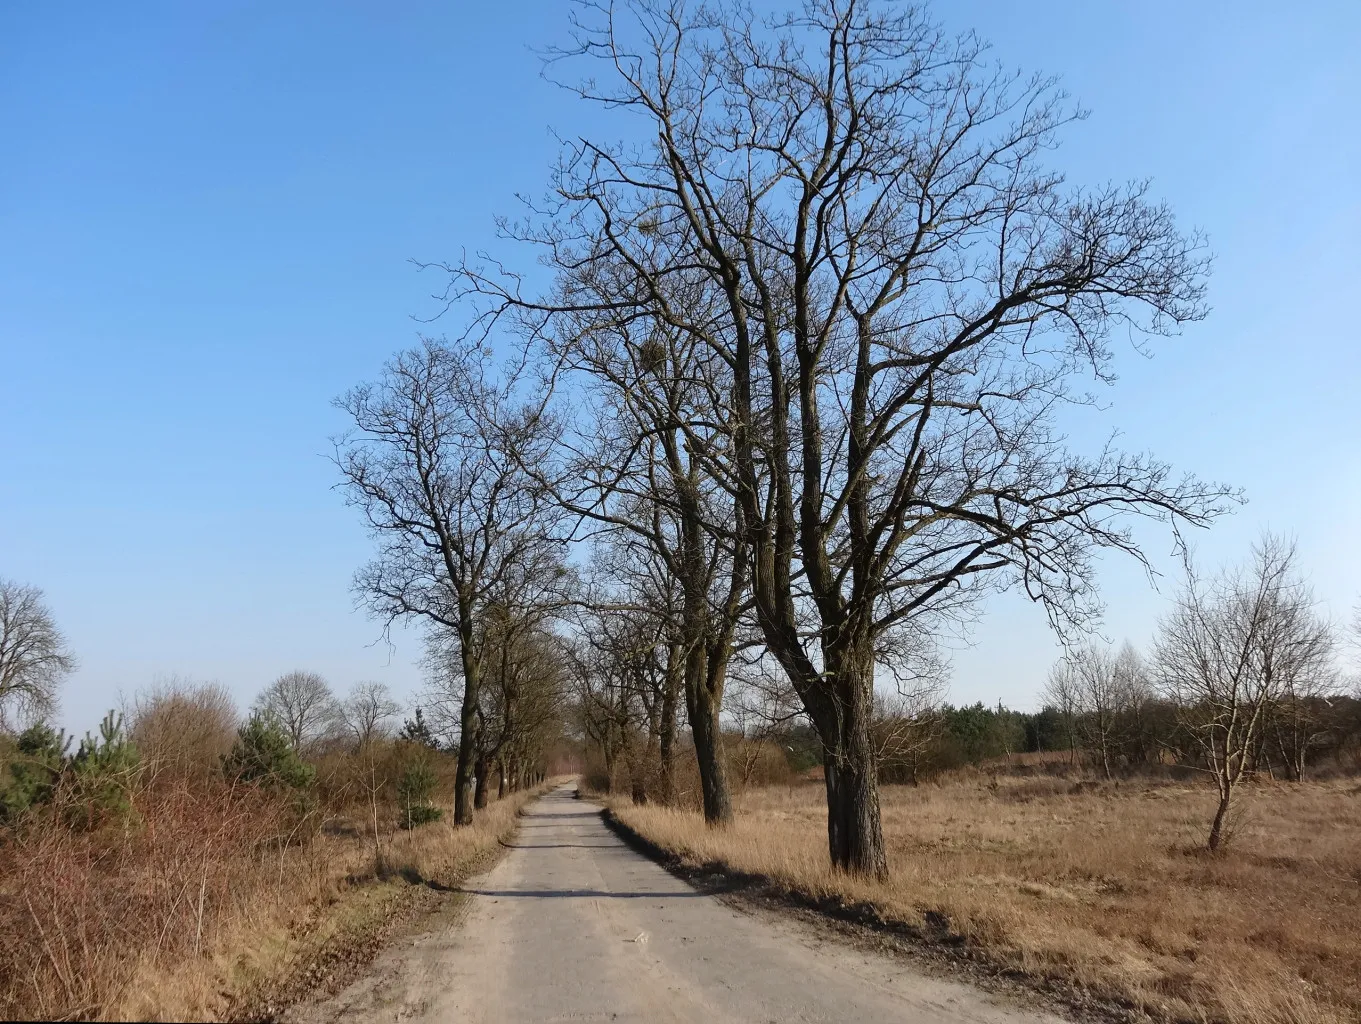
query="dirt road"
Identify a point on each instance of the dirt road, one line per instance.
(572, 925)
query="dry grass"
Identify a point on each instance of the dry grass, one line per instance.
(212, 894)
(1100, 885)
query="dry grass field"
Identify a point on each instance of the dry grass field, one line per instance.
(1100, 885)
(191, 916)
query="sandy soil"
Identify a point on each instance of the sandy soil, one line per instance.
(572, 925)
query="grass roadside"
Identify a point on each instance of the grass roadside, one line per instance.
(193, 909)
(330, 945)
(1094, 890)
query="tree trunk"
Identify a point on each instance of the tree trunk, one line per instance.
(607, 749)
(634, 761)
(713, 772)
(1221, 813)
(483, 771)
(855, 838)
(468, 724)
(667, 738)
(500, 780)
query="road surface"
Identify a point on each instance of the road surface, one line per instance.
(572, 925)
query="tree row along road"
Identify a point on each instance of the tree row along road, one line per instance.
(572, 925)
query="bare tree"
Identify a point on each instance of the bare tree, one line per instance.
(1234, 646)
(1094, 689)
(366, 710)
(1301, 720)
(436, 465)
(855, 213)
(906, 727)
(303, 704)
(520, 652)
(624, 671)
(1060, 693)
(632, 465)
(34, 658)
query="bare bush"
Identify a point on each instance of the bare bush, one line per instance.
(183, 728)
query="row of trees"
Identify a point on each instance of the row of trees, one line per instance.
(795, 374)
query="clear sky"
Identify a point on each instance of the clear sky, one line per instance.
(206, 212)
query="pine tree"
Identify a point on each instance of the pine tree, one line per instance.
(262, 753)
(34, 773)
(417, 731)
(414, 791)
(102, 774)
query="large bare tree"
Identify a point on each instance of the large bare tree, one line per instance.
(435, 463)
(857, 215)
(366, 711)
(1234, 647)
(303, 704)
(34, 658)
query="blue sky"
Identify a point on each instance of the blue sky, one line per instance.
(206, 212)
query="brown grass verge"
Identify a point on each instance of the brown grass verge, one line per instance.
(199, 912)
(1098, 888)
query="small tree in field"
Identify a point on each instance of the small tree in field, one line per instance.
(34, 770)
(101, 774)
(1233, 648)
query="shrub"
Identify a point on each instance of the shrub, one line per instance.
(102, 774)
(263, 754)
(183, 729)
(34, 771)
(414, 791)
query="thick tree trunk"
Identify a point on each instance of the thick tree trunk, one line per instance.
(855, 838)
(713, 771)
(500, 780)
(464, 780)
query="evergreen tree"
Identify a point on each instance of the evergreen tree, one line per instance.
(263, 753)
(418, 731)
(35, 771)
(102, 774)
(414, 791)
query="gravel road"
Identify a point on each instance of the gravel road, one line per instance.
(572, 925)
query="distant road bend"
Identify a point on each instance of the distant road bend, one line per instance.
(572, 925)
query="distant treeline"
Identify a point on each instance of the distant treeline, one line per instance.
(1319, 733)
